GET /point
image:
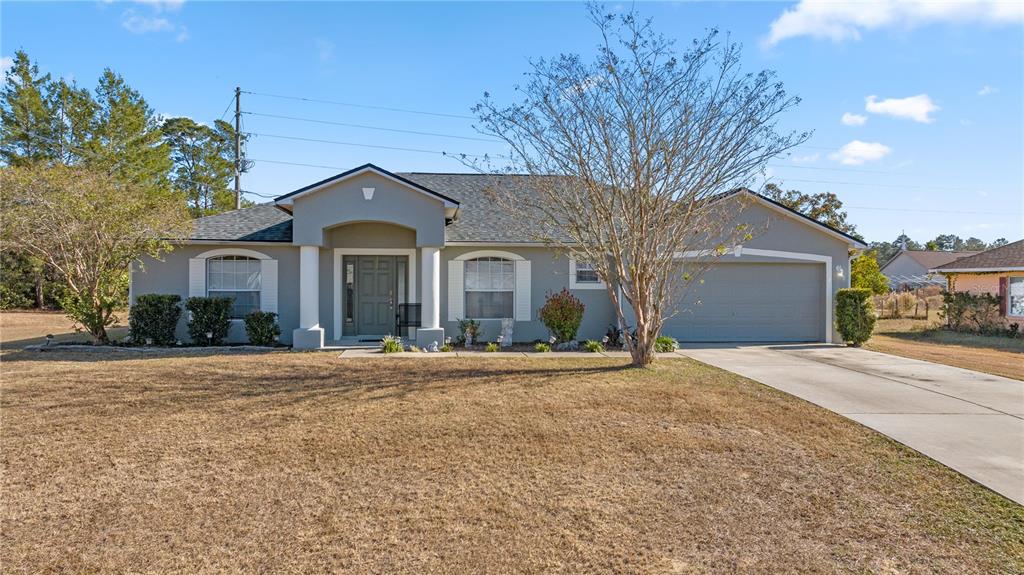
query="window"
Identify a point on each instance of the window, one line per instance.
(236, 277)
(490, 287)
(586, 274)
(1015, 296)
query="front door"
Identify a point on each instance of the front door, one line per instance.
(376, 297)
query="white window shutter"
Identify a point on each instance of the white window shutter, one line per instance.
(197, 277)
(523, 287)
(456, 290)
(268, 285)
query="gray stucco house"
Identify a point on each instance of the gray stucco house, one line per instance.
(910, 269)
(367, 252)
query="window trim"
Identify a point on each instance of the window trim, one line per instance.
(466, 290)
(1009, 281)
(578, 285)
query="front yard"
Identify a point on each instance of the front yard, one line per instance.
(309, 463)
(912, 338)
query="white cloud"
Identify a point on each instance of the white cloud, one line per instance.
(138, 24)
(325, 49)
(966, 122)
(161, 5)
(809, 158)
(857, 152)
(916, 108)
(987, 90)
(849, 119)
(839, 21)
(182, 34)
(5, 63)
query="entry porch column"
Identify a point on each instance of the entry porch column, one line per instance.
(309, 335)
(430, 330)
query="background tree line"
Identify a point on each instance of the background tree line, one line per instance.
(110, 130)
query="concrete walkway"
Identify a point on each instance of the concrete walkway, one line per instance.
(970, 421)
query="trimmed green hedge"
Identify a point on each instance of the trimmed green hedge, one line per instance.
(154, 316)
(262, 328)
(209, 315)
(855, 315)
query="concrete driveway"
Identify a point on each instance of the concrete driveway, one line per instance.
(970, 421)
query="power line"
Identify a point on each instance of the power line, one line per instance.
(375, 146)
(366, 127)
(854, 170)
(845, 207)
(870, 185)
(364, 106)
(226, 108)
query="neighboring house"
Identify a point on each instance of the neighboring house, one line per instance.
(998, 271)
(359, 255)
(910, 269)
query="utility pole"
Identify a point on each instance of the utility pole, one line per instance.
(238, 148)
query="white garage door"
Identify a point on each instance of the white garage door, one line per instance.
(763, 302)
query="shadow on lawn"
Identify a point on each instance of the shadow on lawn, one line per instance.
(204, 383)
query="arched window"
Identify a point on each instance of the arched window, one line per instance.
(236, 277)
(490, 288)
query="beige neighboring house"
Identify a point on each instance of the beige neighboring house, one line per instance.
(998, 271)
(911, 269)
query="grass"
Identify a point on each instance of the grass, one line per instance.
(921, 339)
(293, 462)
(21, 328)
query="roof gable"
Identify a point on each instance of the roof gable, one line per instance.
(928, 259)
(289, 198)
(788, 211)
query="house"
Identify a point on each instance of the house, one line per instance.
(367, 252)
(998, 271)
(910, 269)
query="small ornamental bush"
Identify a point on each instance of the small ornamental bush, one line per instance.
(855, 315)
(262, 328)
(541, 347)
(965, 311)
(665, 344)
(209, 315)
(492, 347)
(469, 329)
(593, 346)
(154, 317)
(447, 347)
(562, 314)
(391, 344)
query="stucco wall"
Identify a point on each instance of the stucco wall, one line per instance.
(170, 276)
(976, 283)
(343, 203)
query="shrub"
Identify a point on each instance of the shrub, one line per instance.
(906, 301)
(562, 314)
(1013, 331)
(447, 347)
(469, 329)
(665, 344)
(391, 344)
(541, 347)
(209, 315)
(492, 347)
(855, 316)
(261, 327)
(154, 316)
(965, 311)
(593, 346)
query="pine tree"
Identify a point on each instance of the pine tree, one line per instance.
(203, 163)
(26, 132)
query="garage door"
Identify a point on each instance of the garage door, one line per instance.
(753, 302)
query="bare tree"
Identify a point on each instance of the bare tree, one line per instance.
(636, 149)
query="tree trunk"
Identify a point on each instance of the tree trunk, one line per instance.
(642, 350)
(39, 290)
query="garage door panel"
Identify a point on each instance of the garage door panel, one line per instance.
(753, 302)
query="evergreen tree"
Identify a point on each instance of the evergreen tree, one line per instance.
(27, 132)
(73, 121)
(824, 207)
(203, 164)
(864, 273)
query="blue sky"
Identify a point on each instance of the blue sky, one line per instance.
(932, 142)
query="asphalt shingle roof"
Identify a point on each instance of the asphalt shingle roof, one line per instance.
(479, 217)
(1008, 256)
(930, 259)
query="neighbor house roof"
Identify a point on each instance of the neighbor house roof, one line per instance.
(478, 218)
(929, 259)
(1004, 258)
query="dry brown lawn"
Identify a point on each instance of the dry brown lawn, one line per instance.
(304, 462)
(21, 328)
(990, 354)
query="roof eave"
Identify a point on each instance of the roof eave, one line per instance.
(287, 200)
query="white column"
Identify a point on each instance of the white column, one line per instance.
(431, 295)
(309, 287)
(309, 335)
